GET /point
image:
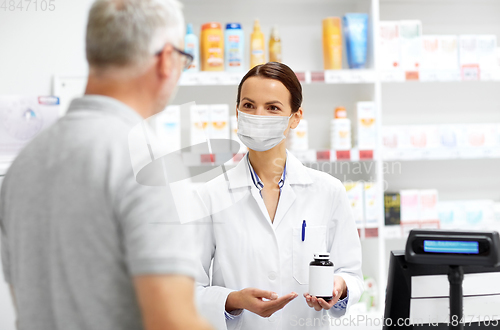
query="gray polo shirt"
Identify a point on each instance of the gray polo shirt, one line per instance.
(76, 226)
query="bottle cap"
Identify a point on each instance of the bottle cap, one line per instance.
(275, 32)
(233, 26)
(340, 113)
(322, 256)
(256, 24)
(332, 22)
(211, 25)
(189, 29)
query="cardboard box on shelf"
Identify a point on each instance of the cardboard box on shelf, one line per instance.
(366, 125)
(371, 205)
(430, 60)
(410, 32)
(487, 46)
(468, 50)
(467, 214)
(168, 128)
(389, 46)
(392, 208)
(448, 52)
(355, 196)
(418, 138)
(496, 215)
(479, 135)
(199, 130)
(234, 134)
(410, 205)
(450, 135)
(219, 121)
(340, 134)
(298, 138)
(428, 204)
(389, 137)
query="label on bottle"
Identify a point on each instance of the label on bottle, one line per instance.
(190, 49)
(275, 52)
(234, 56)
(321, 281)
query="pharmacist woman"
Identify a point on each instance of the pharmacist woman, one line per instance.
(254, 240)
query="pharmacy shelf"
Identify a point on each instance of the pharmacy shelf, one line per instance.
(438, 76)
(307, 156)
(206, 78)
(402, 230)
(441, 153)
(352, 155)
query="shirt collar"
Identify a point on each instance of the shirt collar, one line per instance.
(104, 104)
(258, 182)
(296, 173)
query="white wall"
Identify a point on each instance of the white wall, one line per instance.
(36, 45)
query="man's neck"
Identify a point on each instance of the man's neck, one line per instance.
(130, 93)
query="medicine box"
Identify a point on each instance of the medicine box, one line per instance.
(392, 208)
(355, 197)
(370, 204)
(219, 121)
(410, 32)
(199, 118)
(366, 125)
(168, 129)
(410, 205)
(389, 46)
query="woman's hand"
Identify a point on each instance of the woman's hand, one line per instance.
(339, 292)
(252, 299)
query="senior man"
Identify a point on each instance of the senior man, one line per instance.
(84, 246)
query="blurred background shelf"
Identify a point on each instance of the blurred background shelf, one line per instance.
(435, 97)
(441, 154)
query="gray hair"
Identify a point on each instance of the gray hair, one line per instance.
(123, 33)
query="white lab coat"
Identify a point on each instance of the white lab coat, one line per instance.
(248, 250)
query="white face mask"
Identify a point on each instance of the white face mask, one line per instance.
(261, 133)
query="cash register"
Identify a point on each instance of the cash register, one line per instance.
(429, 282)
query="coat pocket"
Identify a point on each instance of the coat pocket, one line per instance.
(303, 251)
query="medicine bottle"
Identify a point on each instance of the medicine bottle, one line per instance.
(321, 276)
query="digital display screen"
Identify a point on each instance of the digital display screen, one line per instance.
(465, 247)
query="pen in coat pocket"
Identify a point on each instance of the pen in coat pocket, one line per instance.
(303, 230)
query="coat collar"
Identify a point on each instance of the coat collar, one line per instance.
(296, 173)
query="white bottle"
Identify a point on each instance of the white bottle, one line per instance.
(298, 137)
(200, 131)
(321, 276)
(367, 129)
(192, 46)
(341, 130)
(234, 134)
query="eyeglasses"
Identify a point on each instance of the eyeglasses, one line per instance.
(187, 59)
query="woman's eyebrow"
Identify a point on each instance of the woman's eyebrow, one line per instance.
(272, 102)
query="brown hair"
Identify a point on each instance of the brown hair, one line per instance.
(280, 72)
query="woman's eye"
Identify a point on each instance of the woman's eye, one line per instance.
(274, 108)
(247, 105)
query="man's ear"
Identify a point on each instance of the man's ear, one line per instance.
(297, 116)
(165, 61)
